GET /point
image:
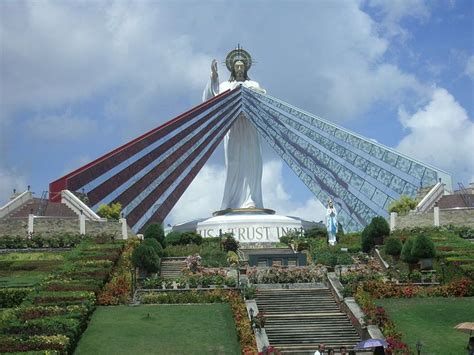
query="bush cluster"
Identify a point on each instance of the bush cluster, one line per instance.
(146, 258)
(185, 238)
(38, 241)
(112, 211)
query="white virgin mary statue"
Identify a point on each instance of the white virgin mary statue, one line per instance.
(243, 157)
(331, 222)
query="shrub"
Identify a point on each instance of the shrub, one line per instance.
(190, 238)
(173, 238)
(145, 257)
(110, 211)
(229, 243)
(393, 246)
(155, 231)
(12, 297)
(155, 245)
(366, 242)
(423, 247)
(406, 254)
(380, 228)
(286, 239)
(232, 258)
(402, 206)
(317, 232)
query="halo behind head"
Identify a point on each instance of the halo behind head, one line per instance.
(238, 54)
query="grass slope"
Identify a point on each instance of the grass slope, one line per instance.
(161, 329)
(431, 320)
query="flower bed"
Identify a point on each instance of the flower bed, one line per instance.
(380, 289)
(237, 304)
(118, 290)
(378, 316)
(279, 274)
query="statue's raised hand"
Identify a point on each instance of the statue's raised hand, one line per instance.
(214, 74)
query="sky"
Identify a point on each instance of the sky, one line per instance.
(78, 79)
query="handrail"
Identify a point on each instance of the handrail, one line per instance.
(74, 203)
(465, 195)
(431, 198)
(17, 202)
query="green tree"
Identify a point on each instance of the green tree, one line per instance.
(423, 247)
(155, 231)
(403, 205)
(406, 254)
(145, 258)
(393, 246)
(155, 245)
(112, 211)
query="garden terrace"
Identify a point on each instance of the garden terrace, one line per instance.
(454, 254)
(58, 309)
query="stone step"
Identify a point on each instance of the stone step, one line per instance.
(298, 320)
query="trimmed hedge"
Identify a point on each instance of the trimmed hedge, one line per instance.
(12, 297)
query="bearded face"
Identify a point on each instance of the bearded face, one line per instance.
(239, 70)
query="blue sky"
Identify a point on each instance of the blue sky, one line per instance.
(79, 78)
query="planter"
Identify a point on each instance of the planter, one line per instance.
(413, 266)
(426, 264)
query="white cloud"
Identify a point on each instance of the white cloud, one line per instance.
(10, 179)
(469, 71)
(442, 134)
(204, 196)
(62, 127)
(394, 11)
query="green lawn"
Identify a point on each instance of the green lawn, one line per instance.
(161, 329)
(431, 320)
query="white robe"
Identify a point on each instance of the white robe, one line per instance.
(243, 157)
(331, 224)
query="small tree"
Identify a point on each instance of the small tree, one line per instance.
(110, 211)
(379, 229)
(145, 258)
(366, 242)
(406, 254)
(423, 247)
(393, 246)
(155, 245)
(402, 206)
(229, 243)
(155, 231)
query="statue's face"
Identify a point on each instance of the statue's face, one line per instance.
(239, 69)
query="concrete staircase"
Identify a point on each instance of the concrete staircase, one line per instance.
(298, 320)
(171, 267)
(50, 209)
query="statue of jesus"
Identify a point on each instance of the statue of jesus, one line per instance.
(243, 157)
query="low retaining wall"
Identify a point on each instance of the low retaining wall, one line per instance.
(455, 216)
(52, 226)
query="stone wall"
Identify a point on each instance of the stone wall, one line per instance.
(457, 217)
(51, 226)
